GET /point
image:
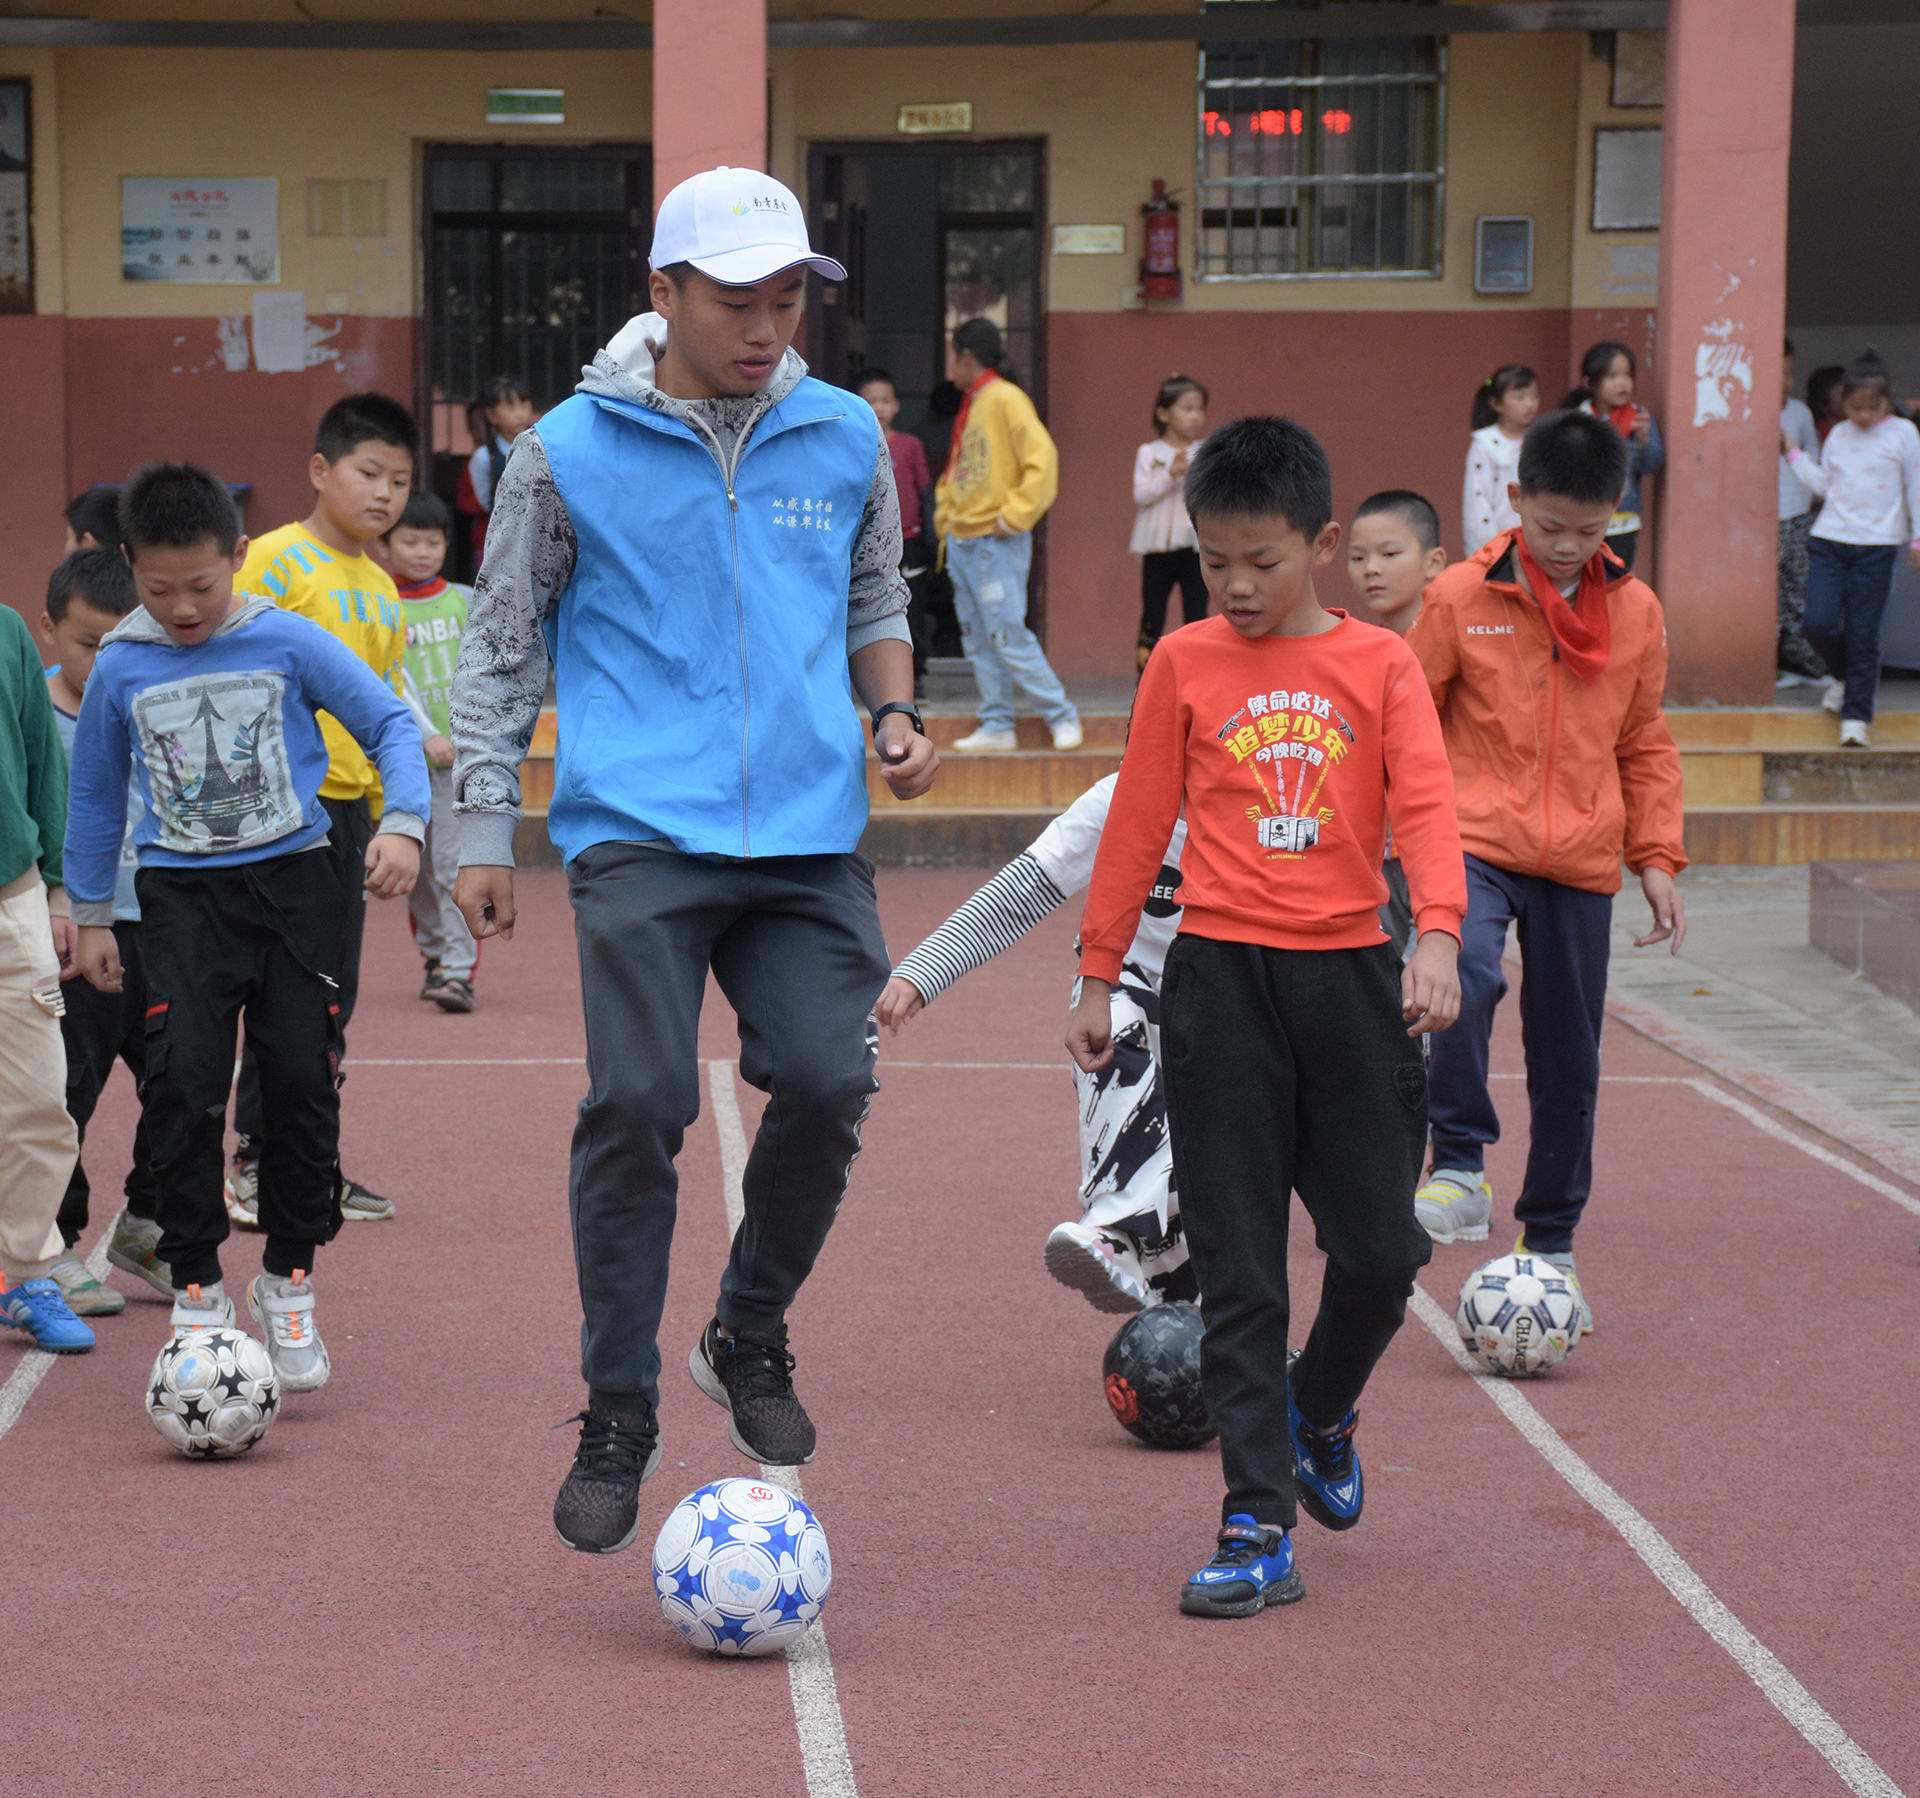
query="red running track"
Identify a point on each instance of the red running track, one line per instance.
(374, 1602)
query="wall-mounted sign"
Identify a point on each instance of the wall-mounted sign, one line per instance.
(931, 119)
(1626, 179)
(1089, 240)
(200, 228)
(16, 216)
(1503, 254)
(526, 106)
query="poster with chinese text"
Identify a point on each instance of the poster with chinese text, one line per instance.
(16, 226)
(193, 228)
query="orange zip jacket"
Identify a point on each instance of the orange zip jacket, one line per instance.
(1554, 776)
(1289, 753)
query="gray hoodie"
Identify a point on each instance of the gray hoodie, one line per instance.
(500, 683)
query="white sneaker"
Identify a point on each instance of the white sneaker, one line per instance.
(1565, 1264)
(202, 1308)
(1102, 1264)
(1456, 1205)
(284, 1311)
(1835, 695)
(243, 1193)
(988, 742)
(1853, 734)
(1070, 735)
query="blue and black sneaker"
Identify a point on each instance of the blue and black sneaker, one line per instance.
(1326, 1470)
(1251, 1569)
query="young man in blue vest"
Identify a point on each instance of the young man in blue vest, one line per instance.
(703, 545)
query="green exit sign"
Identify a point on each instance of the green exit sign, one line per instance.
(526, 106)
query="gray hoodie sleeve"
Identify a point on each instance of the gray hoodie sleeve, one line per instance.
(500, 682)
(877, 591)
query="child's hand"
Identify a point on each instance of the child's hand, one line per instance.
(1177, 468)
(98, 957)
(1669, 910)
(393, 865)
(1090, 1030)
(66, 943)
(1642, 424)
(439, 751)
(1430, 984)
(484, 894)
(899, 1001)
(1913, 557)
(908, 761)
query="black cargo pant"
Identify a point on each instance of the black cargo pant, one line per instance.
(100, 1029)
(342, 864)
(795, 944)
(258, 941)
(1291, 1070)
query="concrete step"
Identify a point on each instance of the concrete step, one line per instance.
(1887, 774)
(1866, 915)
(1782, 835)
(1034, 778)
(938, 836)
(1782, 727)
(1103, 730)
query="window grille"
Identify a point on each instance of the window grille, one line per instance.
(1319, 158)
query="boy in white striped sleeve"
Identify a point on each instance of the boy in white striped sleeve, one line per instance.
(1126, 1251)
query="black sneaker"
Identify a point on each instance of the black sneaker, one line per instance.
(598, 1510)
(752, 1377)
(360, 1204)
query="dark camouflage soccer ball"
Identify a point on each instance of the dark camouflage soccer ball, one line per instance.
(1153, 1378)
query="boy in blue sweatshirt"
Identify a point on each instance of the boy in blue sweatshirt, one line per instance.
(215, 700)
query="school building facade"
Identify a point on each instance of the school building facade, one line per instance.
(215, 219)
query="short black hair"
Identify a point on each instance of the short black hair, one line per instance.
(677, 273)
(868, 376)
(980, 338)
(365, 418)
(95, 513)
(1263, 468)
(424, 512)
(506, 387)
(1403, 503)
(1866, 373)
(97, 577)
(1574, 456)
(174, 505)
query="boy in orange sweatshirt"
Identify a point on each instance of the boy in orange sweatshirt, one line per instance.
(1286, 1017)
(1547, 661)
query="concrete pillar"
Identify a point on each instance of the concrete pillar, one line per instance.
(1723, 270)
(709, 88)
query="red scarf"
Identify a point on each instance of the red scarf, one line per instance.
(431, 588)
(960, 422)
(1624, 418)
(1582, 630)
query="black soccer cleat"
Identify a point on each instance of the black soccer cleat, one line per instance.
(752, 1378)
(598, 1510)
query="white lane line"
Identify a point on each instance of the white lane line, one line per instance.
(1786, 1694)
(1825, 1156)
(35, 1363)
(483, 1061)
(816, 1699)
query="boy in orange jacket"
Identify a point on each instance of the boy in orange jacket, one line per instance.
(1547, 661)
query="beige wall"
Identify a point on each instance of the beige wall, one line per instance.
(1610, 269)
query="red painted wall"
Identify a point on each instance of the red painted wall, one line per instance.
(1388, 393)
(32, 351)
(141, 388)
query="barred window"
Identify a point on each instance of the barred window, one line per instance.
(1319, 157)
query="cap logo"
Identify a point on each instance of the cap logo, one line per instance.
(759, 203)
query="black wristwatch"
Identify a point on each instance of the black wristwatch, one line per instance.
(905, 710)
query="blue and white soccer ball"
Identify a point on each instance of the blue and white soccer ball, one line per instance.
(742, 1567)
(213, 1393)
(1519, 1315)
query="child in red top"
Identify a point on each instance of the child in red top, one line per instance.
(911, 479)
(1285, 1012)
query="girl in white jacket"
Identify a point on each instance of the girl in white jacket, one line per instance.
(1163, 533)
(1507, 402)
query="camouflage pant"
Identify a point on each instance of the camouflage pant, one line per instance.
(1796, 654)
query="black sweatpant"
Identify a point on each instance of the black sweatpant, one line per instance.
(100, 1029)
(1160, 572)
(257, 940)
(1291, 1070)
(342, 865)
(795, 944)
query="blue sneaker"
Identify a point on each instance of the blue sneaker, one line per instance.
(37, 1307)
(1326, 1470)
(1251, 1569)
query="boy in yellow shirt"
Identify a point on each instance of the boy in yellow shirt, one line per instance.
(1001, 476)
(362, 472)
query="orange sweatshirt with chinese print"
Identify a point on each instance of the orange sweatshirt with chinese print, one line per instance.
(1291, 754)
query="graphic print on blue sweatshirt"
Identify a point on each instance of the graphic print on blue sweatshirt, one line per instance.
(215, 747)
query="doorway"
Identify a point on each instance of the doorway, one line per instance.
(534, 258)
(930, 234)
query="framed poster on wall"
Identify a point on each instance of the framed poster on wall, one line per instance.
(1626, 179)
(200, 229)
(16, 197)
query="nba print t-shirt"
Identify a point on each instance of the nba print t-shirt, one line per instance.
(436, 620)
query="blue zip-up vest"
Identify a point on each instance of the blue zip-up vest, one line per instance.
(700, 650)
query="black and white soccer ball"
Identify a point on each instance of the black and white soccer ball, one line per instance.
(1519, 1315)
(213, 1393)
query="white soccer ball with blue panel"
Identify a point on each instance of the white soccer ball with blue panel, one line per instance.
(742, 1567)
(213, 1393)
(1519, 1315)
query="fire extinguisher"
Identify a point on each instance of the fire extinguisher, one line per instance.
(1160, 267)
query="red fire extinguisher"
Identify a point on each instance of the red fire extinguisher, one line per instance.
(1160, 267)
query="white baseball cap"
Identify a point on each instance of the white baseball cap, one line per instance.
(737, 225)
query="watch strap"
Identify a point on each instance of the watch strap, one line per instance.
(905, 710)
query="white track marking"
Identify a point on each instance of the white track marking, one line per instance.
(484, 1061)
(35, 1363)
(1786, 1694)
(1825, 1156)
(816, 1699)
